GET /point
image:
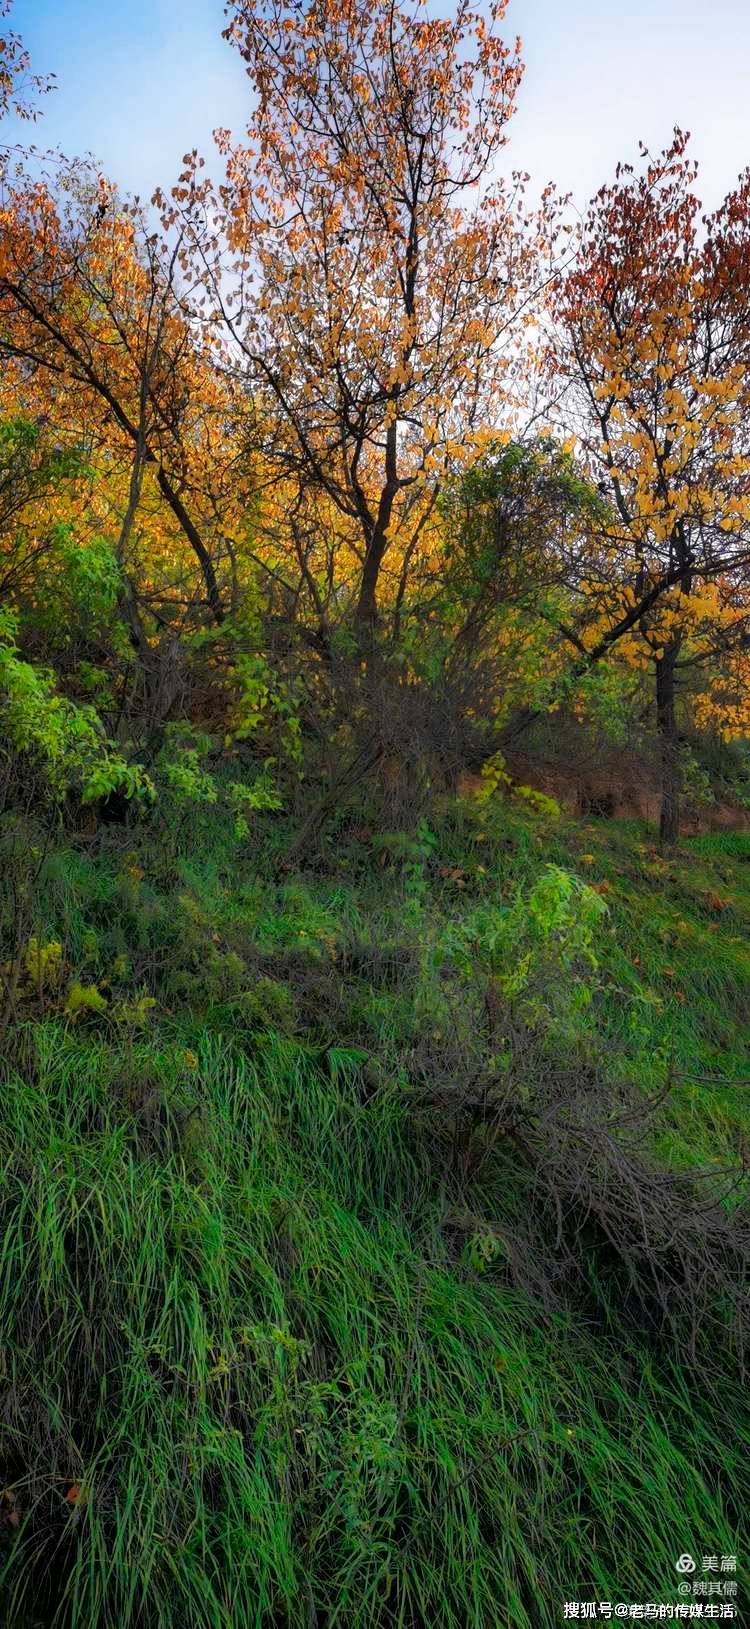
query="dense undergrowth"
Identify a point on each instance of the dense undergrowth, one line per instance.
(373, 1234)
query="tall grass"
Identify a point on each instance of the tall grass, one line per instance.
(250, 1375)
(233, 1328)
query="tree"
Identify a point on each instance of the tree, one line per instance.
(652, 345)
(90, 310)
(380, 273)
(18, 85)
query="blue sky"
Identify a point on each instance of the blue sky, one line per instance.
(142, 80)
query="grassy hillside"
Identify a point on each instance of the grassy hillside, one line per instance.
(372, 1235)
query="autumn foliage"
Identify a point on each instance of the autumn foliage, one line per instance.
(652, 339)
(372, 274)
(374, 644)
(290, 398)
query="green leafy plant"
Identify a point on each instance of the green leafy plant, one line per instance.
(84, 1000)
(63, 742)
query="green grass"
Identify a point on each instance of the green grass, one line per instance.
(239, 1312)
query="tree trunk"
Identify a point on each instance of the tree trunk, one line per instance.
(377, 542)
(367, 604)
(666, 725)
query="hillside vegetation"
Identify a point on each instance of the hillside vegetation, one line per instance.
(383, 1263)
(374, 859)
